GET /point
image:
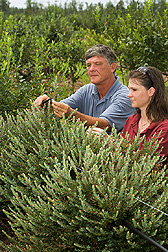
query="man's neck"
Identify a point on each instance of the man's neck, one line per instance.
(103, 89)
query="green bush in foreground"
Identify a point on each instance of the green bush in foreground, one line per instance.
(69, 191)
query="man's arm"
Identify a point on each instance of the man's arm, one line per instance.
(101, 123)
(61, 108)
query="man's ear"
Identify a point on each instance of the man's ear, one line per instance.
(151, 91)
(113, 67)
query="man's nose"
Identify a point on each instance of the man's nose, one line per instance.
(92, 68)
(129, 94)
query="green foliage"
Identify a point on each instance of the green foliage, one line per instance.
(71, 191)
(45, 49)
(61, 189)
(28, 69)
(142, 37)
(71, 55)
(4, 6)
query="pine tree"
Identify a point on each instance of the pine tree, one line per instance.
(71, 191)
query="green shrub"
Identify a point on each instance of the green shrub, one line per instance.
(32, 63)
(69, 191)
(141, 37)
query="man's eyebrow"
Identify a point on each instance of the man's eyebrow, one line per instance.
(97, 61)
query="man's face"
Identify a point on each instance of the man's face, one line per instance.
(99, 70)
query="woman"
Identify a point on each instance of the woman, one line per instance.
(149, 98)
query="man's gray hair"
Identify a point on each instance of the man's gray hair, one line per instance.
(102, 51)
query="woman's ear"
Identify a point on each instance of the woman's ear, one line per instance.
(151, 91)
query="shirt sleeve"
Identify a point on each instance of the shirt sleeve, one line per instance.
(118, 112)
(126, 127)
(75, 101)
(164, 136)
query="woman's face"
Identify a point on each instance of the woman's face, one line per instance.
(140, 97)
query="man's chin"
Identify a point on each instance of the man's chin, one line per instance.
(94, 81)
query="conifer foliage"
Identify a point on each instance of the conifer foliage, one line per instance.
(67, 190)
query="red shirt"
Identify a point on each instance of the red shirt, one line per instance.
(131, 126)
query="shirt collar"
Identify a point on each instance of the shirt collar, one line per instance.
(111, 91)
(135, 121)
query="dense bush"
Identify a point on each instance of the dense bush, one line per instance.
(69, 191)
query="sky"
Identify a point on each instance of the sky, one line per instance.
(22, 4)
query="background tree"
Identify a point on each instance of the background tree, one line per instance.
(4, 6)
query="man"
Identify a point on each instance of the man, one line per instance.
(104, 101)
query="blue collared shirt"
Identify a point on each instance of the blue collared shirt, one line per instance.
(115, 107)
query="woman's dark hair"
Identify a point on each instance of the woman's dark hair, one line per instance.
(157, 109)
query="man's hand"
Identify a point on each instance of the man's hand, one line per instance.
(97, 131)
(39, 100)
(61, 108)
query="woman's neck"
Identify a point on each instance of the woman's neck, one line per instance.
(144, 121)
